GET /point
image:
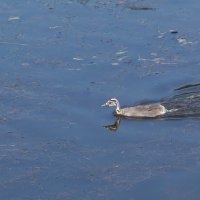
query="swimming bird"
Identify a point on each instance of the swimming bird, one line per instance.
(139, 111)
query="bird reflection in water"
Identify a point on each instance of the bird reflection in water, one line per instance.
(115, 126)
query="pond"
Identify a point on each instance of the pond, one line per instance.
(60, 60)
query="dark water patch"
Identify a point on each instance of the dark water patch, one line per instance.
(184, 105)
(137, 8)
(189, 86)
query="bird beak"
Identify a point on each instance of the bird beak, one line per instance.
(103, 105)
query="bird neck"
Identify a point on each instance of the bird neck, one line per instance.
(118, 108)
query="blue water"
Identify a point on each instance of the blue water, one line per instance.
(60, 60)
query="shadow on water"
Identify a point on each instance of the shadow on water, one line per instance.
(185, 105)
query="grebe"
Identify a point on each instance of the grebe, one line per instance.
(140, 111)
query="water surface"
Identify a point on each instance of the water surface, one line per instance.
(60, 60)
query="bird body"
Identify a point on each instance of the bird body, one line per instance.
(139, 111)
(149, 110)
